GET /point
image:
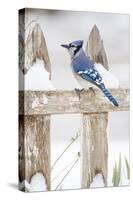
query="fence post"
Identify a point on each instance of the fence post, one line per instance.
(34, 147)
(94, 138)
(94, 147)
(34, 130)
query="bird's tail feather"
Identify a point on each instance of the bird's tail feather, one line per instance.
(108, 94)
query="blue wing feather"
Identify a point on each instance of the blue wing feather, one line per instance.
(94, 77)
(91, 75)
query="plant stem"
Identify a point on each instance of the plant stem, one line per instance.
(67, 173)
(74, 139)
(57, 175)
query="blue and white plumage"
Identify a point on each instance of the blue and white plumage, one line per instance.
(86, 72)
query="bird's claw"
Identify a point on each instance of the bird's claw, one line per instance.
(92, 89)
(79, 91)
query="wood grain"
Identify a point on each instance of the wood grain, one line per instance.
(34, 147)
(32, 47)
(95, 48)
(94, 148)
(60, 102)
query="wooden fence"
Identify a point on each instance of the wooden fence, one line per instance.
(36, 108)
(35, 114)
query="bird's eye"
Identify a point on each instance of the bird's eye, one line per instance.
(72, 45)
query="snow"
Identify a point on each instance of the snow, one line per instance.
(97, 181)
(38, 183)
(118, 57)
(24, 186)
(115, 148)
(64, 127)
(37, 78)
(73, 180)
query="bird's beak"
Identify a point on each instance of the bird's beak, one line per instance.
(65, 46)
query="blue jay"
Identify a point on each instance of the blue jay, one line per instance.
(85, 70)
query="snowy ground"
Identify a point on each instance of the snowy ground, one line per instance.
(72, 181)
(66, 128)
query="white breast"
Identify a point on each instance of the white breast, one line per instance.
(83, 83)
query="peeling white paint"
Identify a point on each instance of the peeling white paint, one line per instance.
(45, 99)
(72, 100)
(38, 103)
(35, 103)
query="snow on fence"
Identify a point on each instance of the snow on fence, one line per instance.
(36, 108)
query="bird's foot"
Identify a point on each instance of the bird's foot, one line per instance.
(79, 91)
(92, 89)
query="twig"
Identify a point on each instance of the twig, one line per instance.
(57, 175)
(67, 173)
(73, 140)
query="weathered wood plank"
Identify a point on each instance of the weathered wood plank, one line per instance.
(60, 102)
(34, 147)
(95, 48)
(32, 47)
(36, 47)
(94, 148)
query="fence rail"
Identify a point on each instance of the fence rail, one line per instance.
(60, 102)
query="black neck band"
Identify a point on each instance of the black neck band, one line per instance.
(77, 49)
